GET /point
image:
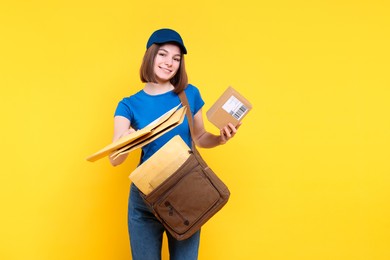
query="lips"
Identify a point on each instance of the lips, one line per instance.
(165, 69)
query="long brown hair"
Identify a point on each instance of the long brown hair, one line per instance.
(179, 81)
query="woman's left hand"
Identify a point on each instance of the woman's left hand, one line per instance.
(228, 132)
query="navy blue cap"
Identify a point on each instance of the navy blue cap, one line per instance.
(164, 36)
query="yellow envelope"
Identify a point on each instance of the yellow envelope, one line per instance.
(175, 120)
(160, 165)
(135, 140)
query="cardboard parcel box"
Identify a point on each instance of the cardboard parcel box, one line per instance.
(231, 107)
(138, 139)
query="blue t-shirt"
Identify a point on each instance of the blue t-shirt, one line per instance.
(142, 109)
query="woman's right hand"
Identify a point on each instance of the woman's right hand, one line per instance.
(127, 132)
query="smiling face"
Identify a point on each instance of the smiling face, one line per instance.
(166, 62)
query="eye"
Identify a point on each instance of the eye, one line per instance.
(162, 54)
(176, 59)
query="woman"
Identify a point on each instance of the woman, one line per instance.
(163, 72)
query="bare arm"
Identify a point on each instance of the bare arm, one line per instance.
(121, 128)
(205, 139)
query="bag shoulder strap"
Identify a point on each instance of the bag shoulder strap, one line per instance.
(184, 101)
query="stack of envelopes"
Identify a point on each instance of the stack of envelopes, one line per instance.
(138, 139)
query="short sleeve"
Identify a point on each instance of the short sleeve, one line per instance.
(123, 109)
(195, 98)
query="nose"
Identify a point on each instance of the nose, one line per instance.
(168, 61)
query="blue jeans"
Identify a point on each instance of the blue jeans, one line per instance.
(146, 234)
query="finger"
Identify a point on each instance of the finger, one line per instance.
(128, 131)
(232, 129)
(238, 125)
(224, 132)
(227, 132)
(131, 130)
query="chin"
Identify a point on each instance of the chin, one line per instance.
(163, 79)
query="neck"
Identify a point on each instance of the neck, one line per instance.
(158, 88)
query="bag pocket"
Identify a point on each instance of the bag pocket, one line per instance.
(186, 202)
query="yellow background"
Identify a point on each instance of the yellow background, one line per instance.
(308, 171)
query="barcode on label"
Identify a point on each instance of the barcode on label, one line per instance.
(235, 108)
(240, 112)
